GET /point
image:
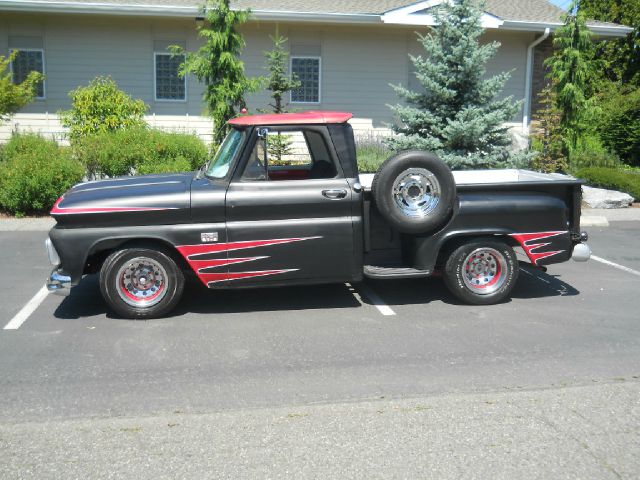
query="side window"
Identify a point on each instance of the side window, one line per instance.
(290, 155)
(169, 85)
(26, 61)
(308, 71)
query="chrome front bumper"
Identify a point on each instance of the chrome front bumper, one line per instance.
(58, 283)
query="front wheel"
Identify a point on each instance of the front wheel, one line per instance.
(141, 283)
(482, 271)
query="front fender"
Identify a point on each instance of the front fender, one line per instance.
(75, 246)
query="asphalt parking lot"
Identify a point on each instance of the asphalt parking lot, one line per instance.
(339, 349)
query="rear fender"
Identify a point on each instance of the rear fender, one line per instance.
(536, 222)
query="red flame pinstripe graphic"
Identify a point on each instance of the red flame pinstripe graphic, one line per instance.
(526, 239)
(192, 254)
(58, 210)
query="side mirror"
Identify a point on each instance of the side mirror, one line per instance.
(263, 133)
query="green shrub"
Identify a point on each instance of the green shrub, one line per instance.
(32, 178)
(173, 146)
(619, 124)
(113, 154)
(140, 150)
(178, 164)
(371, 153)
(28, 143)
(624, 181)
(591, 152)
(101, 107)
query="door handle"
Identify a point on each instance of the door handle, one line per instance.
(334, 194)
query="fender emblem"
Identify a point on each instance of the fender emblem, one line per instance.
(209, 237)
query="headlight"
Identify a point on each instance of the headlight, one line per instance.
(54, 258)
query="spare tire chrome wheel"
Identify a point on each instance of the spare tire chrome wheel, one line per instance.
(415, 192)
(141, 282)
(482, 271)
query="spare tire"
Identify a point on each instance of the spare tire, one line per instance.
(414, 191)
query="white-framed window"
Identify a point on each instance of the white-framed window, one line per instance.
(169, 86)
(308, 70)
(28, 60)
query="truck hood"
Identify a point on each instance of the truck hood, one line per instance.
(144, 200)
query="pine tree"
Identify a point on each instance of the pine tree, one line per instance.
(573, 74)
(548, 139)
(279, 83)
(217, 63)
(458, 114)
(621, 57)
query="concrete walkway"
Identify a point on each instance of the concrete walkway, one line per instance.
(571, 433)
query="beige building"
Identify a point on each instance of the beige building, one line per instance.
(346, 53)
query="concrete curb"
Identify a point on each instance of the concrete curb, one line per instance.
(41, 224)
(614, 214)
(594, 221)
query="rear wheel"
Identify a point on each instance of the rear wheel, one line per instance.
(141, 283)
(482, 271)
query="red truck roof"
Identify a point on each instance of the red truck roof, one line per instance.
(308, 118)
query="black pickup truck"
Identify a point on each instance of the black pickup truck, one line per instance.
(282, 203)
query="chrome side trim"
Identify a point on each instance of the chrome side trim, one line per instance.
(59, 284)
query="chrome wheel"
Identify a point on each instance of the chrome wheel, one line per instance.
(141, 282)
(484, 271)
(417, 192)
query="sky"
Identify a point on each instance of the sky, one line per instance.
(561, 3)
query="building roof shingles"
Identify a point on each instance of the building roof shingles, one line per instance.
(536, 11)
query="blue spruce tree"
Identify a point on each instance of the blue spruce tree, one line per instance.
(458, 114)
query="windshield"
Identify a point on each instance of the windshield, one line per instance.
(219, 166)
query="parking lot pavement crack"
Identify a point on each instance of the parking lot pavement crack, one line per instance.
(580, 442)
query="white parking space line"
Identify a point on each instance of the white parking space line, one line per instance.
(27, 310)
(377, 302)
(615, 265)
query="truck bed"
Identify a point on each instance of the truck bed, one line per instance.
(498, 199)
(488, 178)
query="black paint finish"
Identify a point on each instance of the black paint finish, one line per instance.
(175, 210)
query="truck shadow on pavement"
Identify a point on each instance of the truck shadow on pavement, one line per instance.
(533, 283)
(86, 301)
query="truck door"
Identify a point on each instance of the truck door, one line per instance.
(289, 211)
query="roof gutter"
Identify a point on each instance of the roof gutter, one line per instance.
(526, 118)
(599, 30)
(177, 11)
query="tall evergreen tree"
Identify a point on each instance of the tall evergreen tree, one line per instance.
(548, 139)
(217, 63)
(621, 57)
(458, 114)
(573, 74)
(279, 82)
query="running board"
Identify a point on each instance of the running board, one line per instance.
(390, 272)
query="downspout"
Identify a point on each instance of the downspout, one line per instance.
(529, 80)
